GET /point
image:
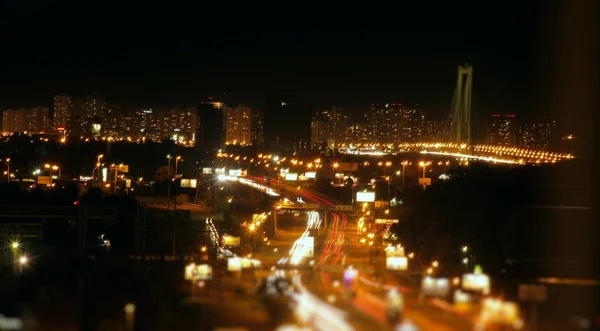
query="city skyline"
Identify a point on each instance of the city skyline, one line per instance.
(408, 64)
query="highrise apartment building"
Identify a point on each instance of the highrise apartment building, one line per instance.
(238, 125)
(63, 110)
(502, 130)
(34, 120)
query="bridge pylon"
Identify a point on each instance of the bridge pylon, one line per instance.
(460, 112)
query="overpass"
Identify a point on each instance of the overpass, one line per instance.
(325, 210)
(28, 221)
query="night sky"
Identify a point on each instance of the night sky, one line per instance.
(138, 56)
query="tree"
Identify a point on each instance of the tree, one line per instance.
(163, 174)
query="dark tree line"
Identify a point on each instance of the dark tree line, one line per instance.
(472, 208)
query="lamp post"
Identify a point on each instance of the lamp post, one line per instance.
(335, 166)
(177, 159)
(129, 317)
(169, 181)
(7, 162)
(424, 165)
(98, 164)
(404, 164)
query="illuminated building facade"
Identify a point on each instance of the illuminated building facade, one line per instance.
(329, 128)
(502, 130)
(34, 120)
(238, 125)
(258, 139)
(63, 109)
(539, 135)
(395, 122)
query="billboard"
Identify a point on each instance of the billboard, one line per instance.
(207, 171)
(44, 180)
(385, 221)
(219, 171)
(198, 272)
(396, 263)
(234, 264)
(230, 241)
(365, 196)
(291, 176)
(436, 287)
(189, 183)
(310, 174)
(235, 172)
(476, 282)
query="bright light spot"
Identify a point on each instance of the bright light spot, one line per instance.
(129, 308)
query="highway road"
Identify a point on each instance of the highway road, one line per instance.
(367, 310)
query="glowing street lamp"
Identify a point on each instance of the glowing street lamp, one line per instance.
(7, 162)
(23, 260)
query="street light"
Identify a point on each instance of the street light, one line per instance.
(50, 167)
(7, 162)
(55, 167)
(335, 166)
(404, 164)
(424, 165)
(177, 159)
(169, 181)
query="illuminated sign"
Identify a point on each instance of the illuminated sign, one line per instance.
(385, 221)
(44, 180)
(234, 264)
(198, 272)
(189, 183)
(437, 287)
(207, 171)
(235, 172)
(219, 171)
(310, 174)
(476, 282)
(291, 176)
(396, 263)
(365, 196)
(230, 241)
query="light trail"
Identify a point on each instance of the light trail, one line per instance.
(341, 240)
(332, 238)
(323, 316)
(298, 250)
(250, 183)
